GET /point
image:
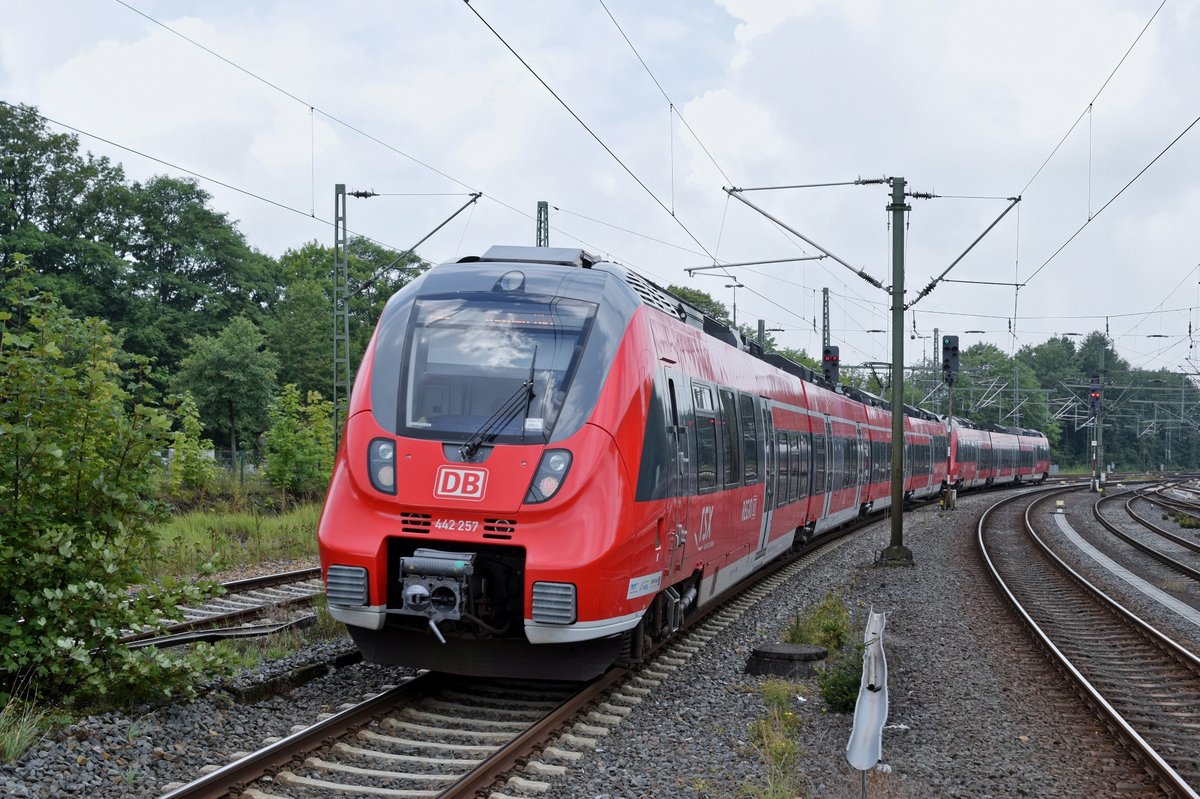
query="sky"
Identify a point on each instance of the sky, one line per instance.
(630, 119)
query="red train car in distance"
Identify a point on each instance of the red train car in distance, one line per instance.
(549, 461)
(984, 455)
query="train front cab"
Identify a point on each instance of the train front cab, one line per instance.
(469, 517)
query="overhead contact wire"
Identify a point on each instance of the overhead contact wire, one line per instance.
(585, 126)
(1098, 93)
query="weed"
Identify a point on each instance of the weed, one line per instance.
(774, 739)
(21, 726)
(326, 628)
(825, 624)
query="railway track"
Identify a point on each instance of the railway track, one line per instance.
(241, 601)
(1180, 555)
(444, 736)
(1145, 687)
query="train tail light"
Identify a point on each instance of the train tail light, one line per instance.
(381, 465)
(549, 476)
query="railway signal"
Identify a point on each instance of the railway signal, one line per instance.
(829, 364)
(1094, 396)
(950, 359)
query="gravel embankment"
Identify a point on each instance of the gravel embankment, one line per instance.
(975, 710)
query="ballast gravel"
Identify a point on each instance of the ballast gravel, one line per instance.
(975, 710)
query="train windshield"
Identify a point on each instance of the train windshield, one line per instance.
(503, 363)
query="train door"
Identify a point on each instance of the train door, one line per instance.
(824, 474)
(679, 487)
(861, 459)
(769, 466)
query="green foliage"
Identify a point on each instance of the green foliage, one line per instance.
(300, 443)
(775, 739)
(79, 464)
(1187, 521)
(232, 377)
(840, 681)
(702, 300)
(828, 624)
(151, 258)
(298, 332)
(192, 469)
(825, 624)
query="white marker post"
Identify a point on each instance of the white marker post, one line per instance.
(865, 747)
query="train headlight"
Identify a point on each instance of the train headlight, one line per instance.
(549, 475)
(381, 465)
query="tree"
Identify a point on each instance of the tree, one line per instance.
(78, 474)
(150, 258)
(300, 443)
(192, 271)
(66, 213)
(300, 326)
(192, 466)
(232, 377)
(299, 331)
(702, 300)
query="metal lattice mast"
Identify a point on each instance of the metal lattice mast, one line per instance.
(341, 314)
(824, 317)
(543, 224)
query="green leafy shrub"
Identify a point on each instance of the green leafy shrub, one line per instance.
(300, 443)
(840, 681)
(79, 467)
(193, 472)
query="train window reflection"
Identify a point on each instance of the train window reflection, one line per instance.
(470, 357)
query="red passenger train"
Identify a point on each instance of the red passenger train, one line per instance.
(549, 461)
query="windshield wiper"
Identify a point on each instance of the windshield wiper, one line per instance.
(529, 398)
(488, 431)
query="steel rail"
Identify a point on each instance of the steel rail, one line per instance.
(1150, 757)
(1142, 546)
(234, 587)
(240, 773)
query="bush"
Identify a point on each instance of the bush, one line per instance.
(79, 463)
(300, 443)
(840, 681)
(193, 470)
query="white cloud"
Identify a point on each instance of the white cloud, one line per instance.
(959, 98)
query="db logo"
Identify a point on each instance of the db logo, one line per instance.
(456, 482)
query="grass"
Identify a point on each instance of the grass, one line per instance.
(231, 538)
(775, 739)
(21, 726)
(826, 624)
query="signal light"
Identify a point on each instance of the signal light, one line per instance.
(829, 364)
(1095, 396)
(950, 359)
